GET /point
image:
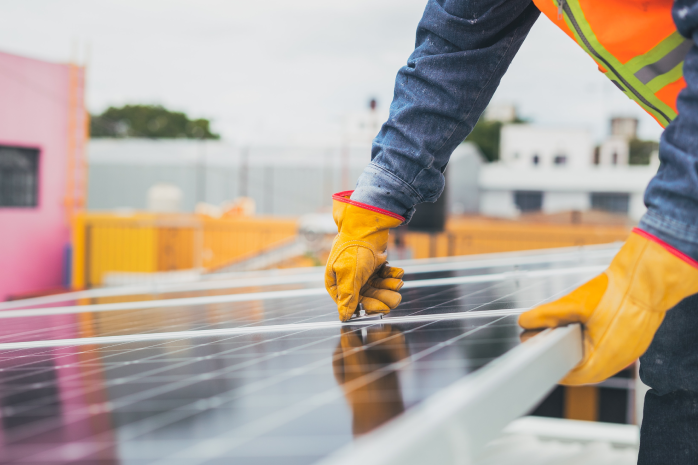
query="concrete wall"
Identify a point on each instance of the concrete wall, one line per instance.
(282, 180)
(34, 113)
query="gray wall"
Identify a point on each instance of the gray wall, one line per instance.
(462, 174)
(281, 180)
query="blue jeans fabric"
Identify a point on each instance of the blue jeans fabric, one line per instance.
(669, 433)
(463, 48)
(672, 195)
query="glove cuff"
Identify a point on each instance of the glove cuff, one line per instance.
(344, 196)
(667, 247)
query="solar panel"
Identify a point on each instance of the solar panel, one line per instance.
(192, 376)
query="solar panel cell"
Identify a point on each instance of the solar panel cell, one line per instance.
(289, 395)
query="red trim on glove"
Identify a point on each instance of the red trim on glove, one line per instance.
(668, 248)
(344, 197)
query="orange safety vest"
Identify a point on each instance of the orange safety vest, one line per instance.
(635, 44)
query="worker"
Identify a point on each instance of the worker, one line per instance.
(463, 47)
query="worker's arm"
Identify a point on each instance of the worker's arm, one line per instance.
(463, 48)
(672, 195)
(622, 308)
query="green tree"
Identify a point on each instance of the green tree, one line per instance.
(641, 151)
(486, 135)
(151, 121)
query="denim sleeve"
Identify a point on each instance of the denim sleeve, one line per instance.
(672, 195)
(463, 48)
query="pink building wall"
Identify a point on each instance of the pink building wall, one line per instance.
(34, 109)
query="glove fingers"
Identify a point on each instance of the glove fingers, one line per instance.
(392, 284)
(550, 315)
(575, 307)
(374, 306)
(388, 271)
(390, 298)
(351, 278)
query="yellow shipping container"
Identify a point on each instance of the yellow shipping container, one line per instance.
(148, 243)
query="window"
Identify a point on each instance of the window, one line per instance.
(528, 201)
(18, 177)
(560, 160)
(597, 155)
(536, 160)
(615, 158)
(613, 202)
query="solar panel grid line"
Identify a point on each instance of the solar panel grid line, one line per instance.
(190, 362)
(163, 379)
(552, 256)
(250, 330)
(365, 323)
(77, 416)
(111, 345)
(229, 440)
(304, 310)
(283, 294)
(114, 345)
(454, 426)
(184, 339)
(157, 331)
(414, 312)
(315, 275)
(309, 366)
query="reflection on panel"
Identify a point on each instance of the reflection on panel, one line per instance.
(252, 398)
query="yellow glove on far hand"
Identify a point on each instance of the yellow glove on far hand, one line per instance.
(622, 308)
(357, 270)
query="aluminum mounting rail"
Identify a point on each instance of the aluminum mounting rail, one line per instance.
(292, 293)
(314, 275)
(453, 425)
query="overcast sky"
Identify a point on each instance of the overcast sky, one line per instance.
(285, 71)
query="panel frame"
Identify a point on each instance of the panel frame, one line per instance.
(454, 425)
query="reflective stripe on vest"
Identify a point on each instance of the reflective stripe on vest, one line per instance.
(653, 77)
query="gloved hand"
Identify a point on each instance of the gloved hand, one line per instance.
(357, 270)
(622, 308)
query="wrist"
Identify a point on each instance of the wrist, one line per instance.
(348, 197)
(677, 235)
(677, 253)
(380, 188)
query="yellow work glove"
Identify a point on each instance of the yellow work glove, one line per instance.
(622, 308)
(357, 270)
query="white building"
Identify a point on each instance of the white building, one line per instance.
(555, 170)
(527, 146)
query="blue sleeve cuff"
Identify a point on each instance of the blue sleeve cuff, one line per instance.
(681, 236)
(382, 189)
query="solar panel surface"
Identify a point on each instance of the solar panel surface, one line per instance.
(289, 394)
